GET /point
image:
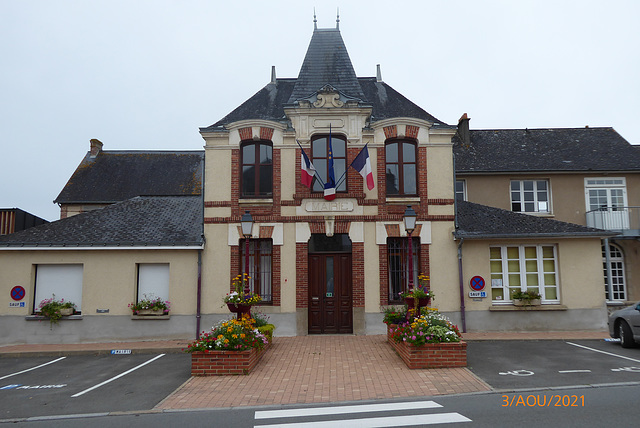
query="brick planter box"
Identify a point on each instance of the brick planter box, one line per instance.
(222, 363)
(430, 355)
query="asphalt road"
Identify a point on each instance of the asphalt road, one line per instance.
(522, 373)
(88, 384)
(614, 406)
(510, 365)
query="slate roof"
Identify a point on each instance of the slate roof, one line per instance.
(477, 221)
(556, 149)
(326, 62)
(141, 221)
(114, 176)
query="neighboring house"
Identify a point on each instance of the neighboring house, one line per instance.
(14, 220)
(102, 261)
(587, 176)
(106, 177)
(321, 266)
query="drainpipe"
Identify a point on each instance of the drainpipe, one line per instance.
(462, 313)
(199, 294)
(607, 255)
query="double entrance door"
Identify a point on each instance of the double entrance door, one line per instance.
(330, 294)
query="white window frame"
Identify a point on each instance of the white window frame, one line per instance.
(540, 207)
(608, 184)
(501, 280)
(153, 281)
(617, 265)
(62, 280)
(464, 189)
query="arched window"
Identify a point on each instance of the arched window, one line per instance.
(320, 160)
(617, 273)
(256, 179)
(401, 168)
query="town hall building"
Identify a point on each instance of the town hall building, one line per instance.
(323, 263)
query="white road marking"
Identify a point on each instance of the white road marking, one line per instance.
(117, 377)
(604, 352)
(33, 368)
(574, 371)
(389, 421)
(289, 413)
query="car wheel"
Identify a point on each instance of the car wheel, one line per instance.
(626, 337)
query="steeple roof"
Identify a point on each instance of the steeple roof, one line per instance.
(327, 62)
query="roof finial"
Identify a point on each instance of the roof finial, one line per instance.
(315, 21)
(338, 20)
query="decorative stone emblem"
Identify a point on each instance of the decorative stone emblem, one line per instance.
(328, 97)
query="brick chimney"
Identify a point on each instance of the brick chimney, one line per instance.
(96, 147)
(463, 130)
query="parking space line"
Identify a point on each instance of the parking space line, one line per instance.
(33, 368)
(117, 377)
(604, 352)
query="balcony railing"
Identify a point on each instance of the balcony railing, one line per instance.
(623, 219)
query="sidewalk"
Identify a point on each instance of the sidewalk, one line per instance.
(167, 346)
(309, 369)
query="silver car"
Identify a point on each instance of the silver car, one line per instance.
(625, 324)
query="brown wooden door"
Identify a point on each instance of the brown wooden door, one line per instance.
(330, 302)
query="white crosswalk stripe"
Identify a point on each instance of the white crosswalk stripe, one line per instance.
(362, 422)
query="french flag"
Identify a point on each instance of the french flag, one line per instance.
(307, 170)
(362, 164)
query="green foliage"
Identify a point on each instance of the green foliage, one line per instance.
(526, 295)
(267, 330)
(51, 308)
(232, 335)
(430, 327)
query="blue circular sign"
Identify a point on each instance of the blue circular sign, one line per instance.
(17, 293)
(477, 283)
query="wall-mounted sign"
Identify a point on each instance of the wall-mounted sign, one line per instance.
(477, 283)
(477, 294)
(16, 304)
(18, 293)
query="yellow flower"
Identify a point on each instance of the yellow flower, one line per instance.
(235, 336)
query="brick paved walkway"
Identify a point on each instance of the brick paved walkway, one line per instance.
(314, 369)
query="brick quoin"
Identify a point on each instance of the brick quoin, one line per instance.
(302, 275)
(357, 266)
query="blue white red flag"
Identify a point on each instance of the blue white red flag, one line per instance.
(307, 170)
(362, 164)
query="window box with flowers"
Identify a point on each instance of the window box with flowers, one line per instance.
(232, 347)
(54, 310)
(150, 306)
(526, 298)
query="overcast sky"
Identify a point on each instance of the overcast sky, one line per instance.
(147, 74)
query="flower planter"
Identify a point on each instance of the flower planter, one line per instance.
(223, 363)
(430, 355)
(150, 312)
(65, 312)
(240, 310)
(526, 302)
(422, 302)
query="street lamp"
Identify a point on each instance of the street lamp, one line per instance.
(247, 225)
(410, 217)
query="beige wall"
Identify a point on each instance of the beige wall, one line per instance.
(580, 283)
(567, 192)
(109, 277)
